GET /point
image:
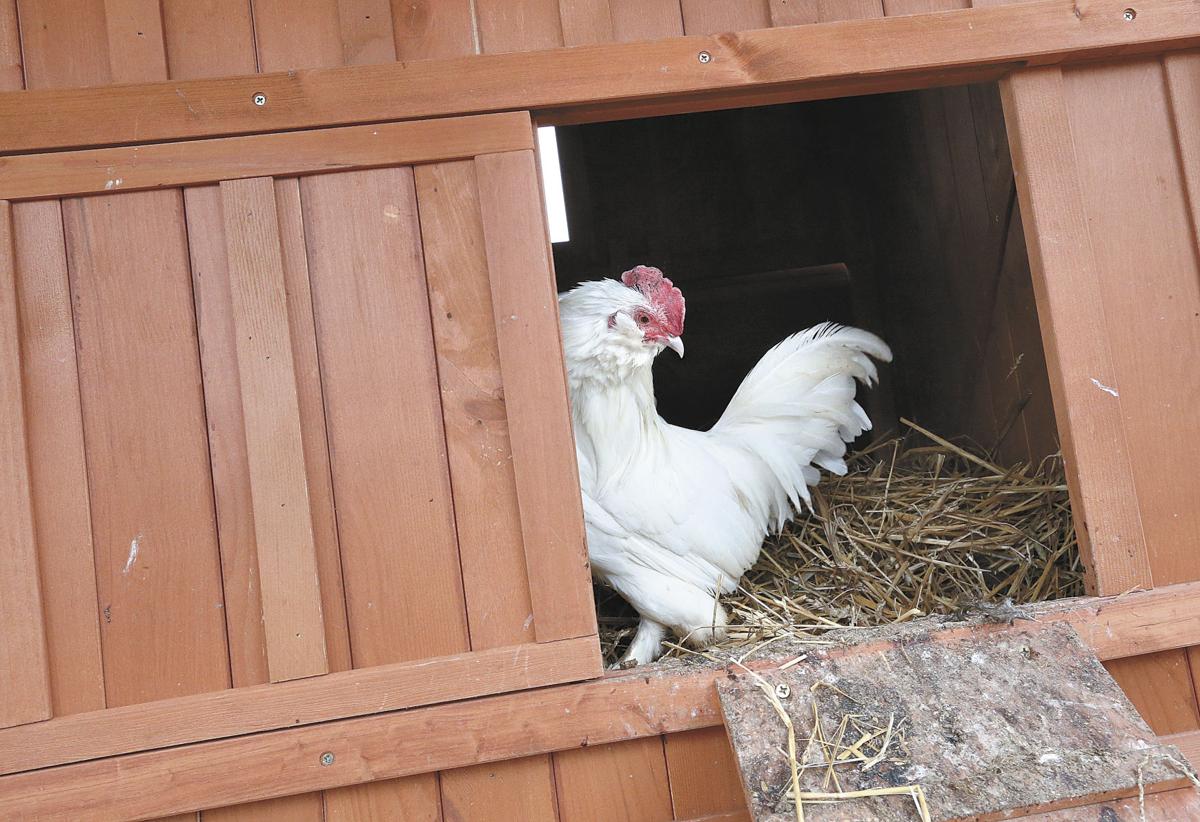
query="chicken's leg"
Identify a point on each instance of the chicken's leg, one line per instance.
(646, 645)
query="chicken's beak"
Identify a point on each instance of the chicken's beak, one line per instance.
(676, 345)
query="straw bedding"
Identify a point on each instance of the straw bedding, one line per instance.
(917, 526)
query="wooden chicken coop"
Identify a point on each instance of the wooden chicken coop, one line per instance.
(289, 516)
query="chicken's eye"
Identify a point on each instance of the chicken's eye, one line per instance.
(643, 319)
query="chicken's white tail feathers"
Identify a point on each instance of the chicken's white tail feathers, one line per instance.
(796, 410)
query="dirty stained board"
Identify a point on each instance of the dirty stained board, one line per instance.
(987, 721)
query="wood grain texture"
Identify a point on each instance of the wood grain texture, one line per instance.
(171, 164)
(64, 43)
(1066, 279)
(197, 48)
(434, 29)
(250, 709)
(12, 71)
(291, 35)
(1168, 806)
(312, 423)
(634, 20)
(302, 808)
(525, 304)
(934, 49)
(283, 526)
(480, 455)
(1145, 228)
(1160, 686)
(157, 566)
(226, 435)
(366, 30)
(411, 799)
(585, 22)
(23, 655)
(517, 789)
(57, 467)
(1188, 743)
(703, 773)
(279, 763)
(620, 781)
(136, 50)
(802, 12)
(518, 25)
(717, 16)
(894, 8)
(403, 584)
(1183, 87)
(283, 763)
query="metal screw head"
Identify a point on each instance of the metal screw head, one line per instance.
(1129, 14)
(260, 99)
(704, 57)
(782, 690)
(327, 758)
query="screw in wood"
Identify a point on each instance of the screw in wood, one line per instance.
(1129, 14)
(782, 690)
(260, 99)
(327, 758)
(704, 57)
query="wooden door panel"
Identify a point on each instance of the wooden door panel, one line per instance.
(304, 423)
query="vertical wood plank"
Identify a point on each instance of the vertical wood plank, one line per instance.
(1029, 360)
(617, 782)
(367, 32)
(1183, 85)
(585, 22)
(895, 8)
(480, 454)
(57, 468)
(703, 773)
(158, 573)
(411, 799)
(301, 808)
(12, 71)
(634, 20)
(312, 423)
(64, 43)
(135, 40)
(801, 12)
(293, 34)
(227, 445)
(403, 586)
(517, 789)
(1122, 111)
(1160, 686)
(518, 25)
(196, 48)
(287, 562)
(717, 16)
(226, 435)
(1070, 309)
(431, 29)
(23, 640)
(526, 309)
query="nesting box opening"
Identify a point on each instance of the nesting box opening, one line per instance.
(895, 213)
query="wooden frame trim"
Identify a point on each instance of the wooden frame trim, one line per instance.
(664, 699)
(133, 168)
(126, 730)
(817, 60)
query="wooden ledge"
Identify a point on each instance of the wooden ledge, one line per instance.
(117, 731)
(134, 168)
(826, 59)
(390, 743)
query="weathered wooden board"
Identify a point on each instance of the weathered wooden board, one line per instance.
(985, 721)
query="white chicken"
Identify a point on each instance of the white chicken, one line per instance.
(675, 516)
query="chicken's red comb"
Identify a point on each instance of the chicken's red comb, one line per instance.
(661, 293)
